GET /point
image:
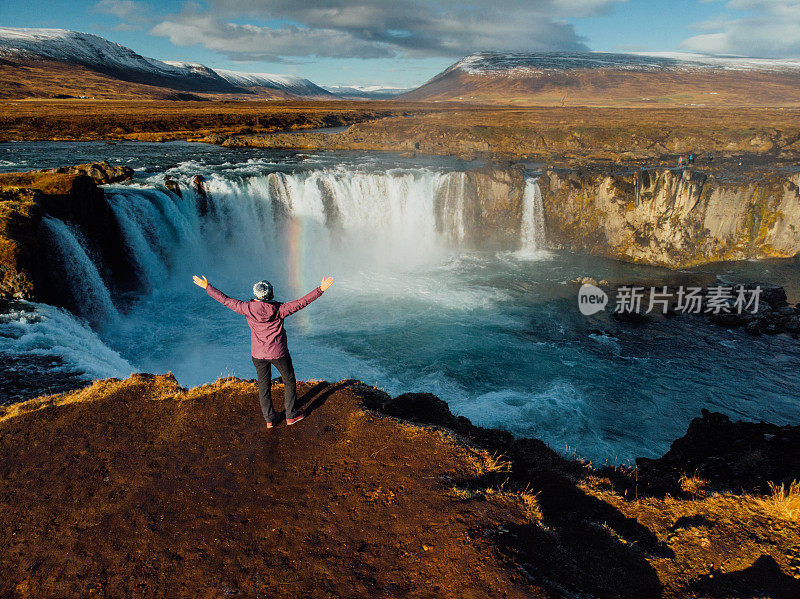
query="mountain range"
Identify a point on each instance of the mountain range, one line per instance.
(53, 63)
(58, 62)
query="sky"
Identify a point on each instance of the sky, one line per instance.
(403, 43)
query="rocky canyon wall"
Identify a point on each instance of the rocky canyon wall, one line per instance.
(672, 217)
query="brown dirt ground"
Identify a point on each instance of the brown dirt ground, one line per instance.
(140, 488)
(145, 490)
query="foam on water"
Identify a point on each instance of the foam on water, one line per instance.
(45, 331)
(553, 414)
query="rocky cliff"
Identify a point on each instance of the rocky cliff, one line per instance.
(72, 195)
(672, 217)
(482, 208)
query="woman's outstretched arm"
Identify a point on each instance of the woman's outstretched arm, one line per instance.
(237, 306)
(298, 304)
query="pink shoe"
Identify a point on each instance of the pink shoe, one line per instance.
(298, 418)
(270, 425)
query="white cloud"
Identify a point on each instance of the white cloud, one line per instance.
(132, 14)
(770, 29)
(377, 29)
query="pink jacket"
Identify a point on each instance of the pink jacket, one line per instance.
(268, 338)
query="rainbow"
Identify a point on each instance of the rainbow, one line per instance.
(296, 242)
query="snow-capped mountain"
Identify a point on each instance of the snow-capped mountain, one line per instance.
(106, 57)
(18, 45)
(365, 92)
(603, 78)
(486, 63)
(291, 84)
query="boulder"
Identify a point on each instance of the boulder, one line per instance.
(754, 327)
(424, 408)
(172, 185)
(774, 295)
(729, 454)
(102, 172)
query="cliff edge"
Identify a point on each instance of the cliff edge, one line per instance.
(674, 217)
(144, 488)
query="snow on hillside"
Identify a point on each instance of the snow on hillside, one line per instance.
(82, 48)
(288, 83)
(516, 64)
(367, 92)
(188, 67)
(109, 57)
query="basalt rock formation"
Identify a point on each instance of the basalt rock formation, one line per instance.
(728, 454)
(72, 195)
(672, 217)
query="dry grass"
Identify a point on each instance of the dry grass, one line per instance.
(164, 120)
(496, 462)
(694, 486)
(456, 129)
(784, 500)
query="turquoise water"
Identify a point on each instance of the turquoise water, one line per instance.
(496, 334)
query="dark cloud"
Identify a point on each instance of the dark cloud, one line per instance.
(410, 28)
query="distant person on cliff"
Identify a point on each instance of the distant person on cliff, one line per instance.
(268, 340)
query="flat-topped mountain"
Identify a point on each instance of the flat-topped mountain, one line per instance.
(609, 79)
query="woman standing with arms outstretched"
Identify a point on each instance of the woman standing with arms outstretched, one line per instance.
(268, 340)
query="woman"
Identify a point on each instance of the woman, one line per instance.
(268, 340)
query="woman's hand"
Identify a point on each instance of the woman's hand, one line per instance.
(204, 282)
(326, 283)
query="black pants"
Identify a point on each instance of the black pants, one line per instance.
(264, 370)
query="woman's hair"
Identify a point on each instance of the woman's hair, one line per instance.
(263, 291)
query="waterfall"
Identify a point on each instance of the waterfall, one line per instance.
(452, 197)
(532, 235)
(80, 274)
(290, 226)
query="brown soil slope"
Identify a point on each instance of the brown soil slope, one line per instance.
(24, 79)
(611, 87)
(49, 79)
(140, 488)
